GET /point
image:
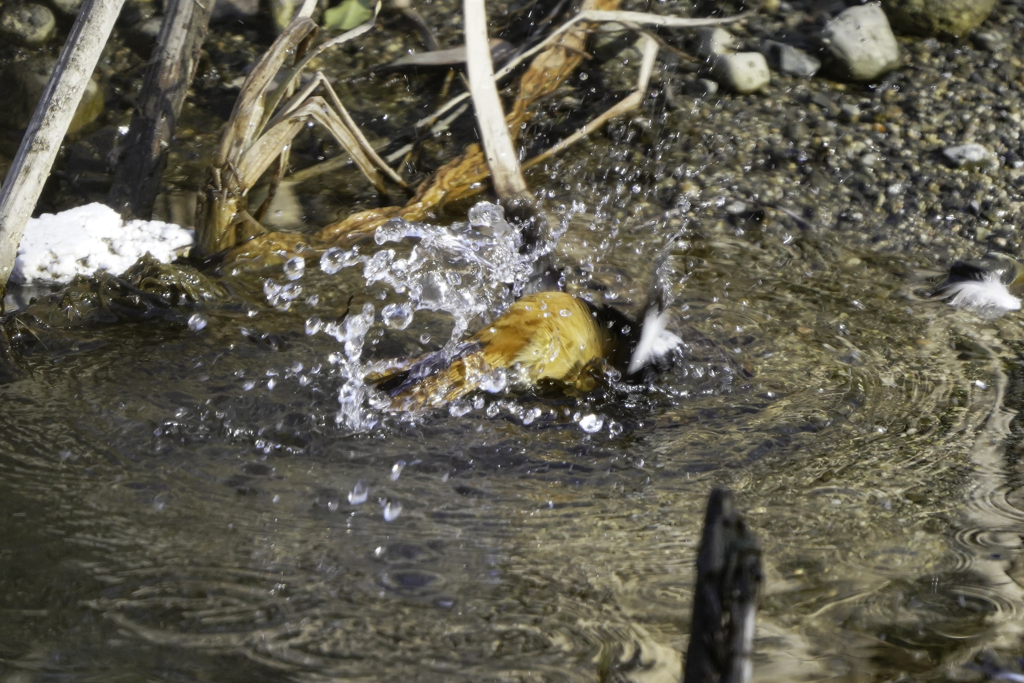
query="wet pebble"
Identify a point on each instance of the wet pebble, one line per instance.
(233, 10)
(28, 24)
(67, 7)
(937, 17)
(992, 40)
(713, 41)
(971, 155)
(790, 60)
(861, 43)
(22, 84)
(742, 72)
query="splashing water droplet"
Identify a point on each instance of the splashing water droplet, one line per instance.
(488, 218)
(294, 268)
(396, 470)
(359, 493)
(494, 381)
(334, 259)
(377, 268)
(591, 423)
(196, 322)
(530, 415)
(459, 408)
(424, 338)
(397, 316)
(392, 509)
(614, 428)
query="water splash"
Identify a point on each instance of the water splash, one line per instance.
(470, 270)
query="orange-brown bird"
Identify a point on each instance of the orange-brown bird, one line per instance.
(550, 336)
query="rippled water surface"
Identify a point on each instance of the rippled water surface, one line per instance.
(225, 503)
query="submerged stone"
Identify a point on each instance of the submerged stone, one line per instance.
(22, 84)
(28, 24)
(742, 72)
(861, 43)
(937, 17)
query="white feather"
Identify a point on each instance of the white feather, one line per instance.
(987, 293)
(655, 341)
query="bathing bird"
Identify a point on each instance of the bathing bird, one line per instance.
(547, 336)
(543, 337)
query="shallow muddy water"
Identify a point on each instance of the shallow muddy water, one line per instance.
(225, 500)
(184, 504)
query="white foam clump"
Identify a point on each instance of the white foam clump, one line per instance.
(989, 293)
(87, 239)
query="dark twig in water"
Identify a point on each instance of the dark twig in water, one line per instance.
(170, 71)
(729, 579)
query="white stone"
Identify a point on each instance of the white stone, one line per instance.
(742, 72)
(861, 43)
(712, 41)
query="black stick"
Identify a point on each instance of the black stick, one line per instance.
(170, 71)
(729, 579)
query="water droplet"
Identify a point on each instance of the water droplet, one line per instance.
(486, 215)
(494, 381)
(396, 470)
(565, 313)
(591, 423)
(424, 338)
(397, 316)
(459, 408)
(294, 268)
(334, 259)
(196, 322)
(392, 509)
(614, 428)
(359, 493)
(530, 415)
(314, 325)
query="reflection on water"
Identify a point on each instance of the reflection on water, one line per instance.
(224, 501)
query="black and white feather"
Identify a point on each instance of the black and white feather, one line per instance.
(980, 288)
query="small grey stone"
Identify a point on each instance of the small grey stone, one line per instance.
(849, 113)
(992, 40)
(861, 43)
(790, 60)
(742, 72)
(28, 24)
(715, 41)
(704, 87)
(611, 40)
(22, 84)
(142, 36)
(971, 155)
(231, 10)
(68, 8)
(134, 12)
